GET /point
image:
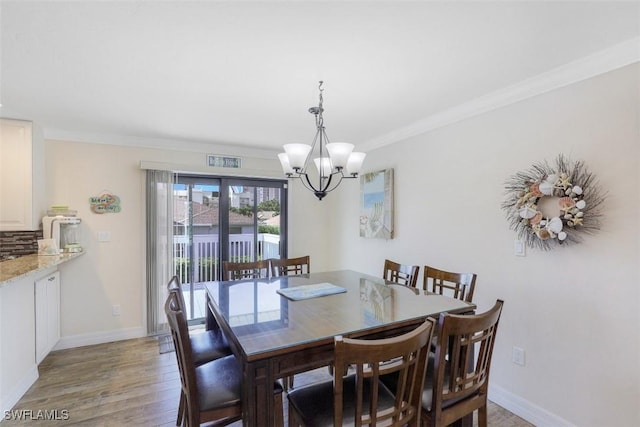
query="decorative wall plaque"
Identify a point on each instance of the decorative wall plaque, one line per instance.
(105, 203)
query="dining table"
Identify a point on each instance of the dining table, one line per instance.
(281, 326)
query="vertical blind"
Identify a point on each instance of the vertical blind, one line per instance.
(159, 214)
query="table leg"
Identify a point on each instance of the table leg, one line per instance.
(257, 394)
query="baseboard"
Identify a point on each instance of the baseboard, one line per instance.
(18, 391)
(525, 409)
(82, 340)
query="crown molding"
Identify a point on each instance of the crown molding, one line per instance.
(610, 59)
(158, 143)
(607, 60)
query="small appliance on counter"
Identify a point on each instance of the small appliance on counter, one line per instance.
(61, 231)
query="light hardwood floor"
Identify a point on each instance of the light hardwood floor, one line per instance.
(126, 383)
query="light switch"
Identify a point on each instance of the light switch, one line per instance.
(518, 248)
(517, 356)
(104, 236)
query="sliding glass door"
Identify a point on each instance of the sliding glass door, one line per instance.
(255, 220)
(224, 219)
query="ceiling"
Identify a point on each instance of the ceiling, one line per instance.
(245, 73)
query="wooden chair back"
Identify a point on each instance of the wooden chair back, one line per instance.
(245, 270)
(195, 415)
(175, 286)
(459, 386)
(400, 273)
(403, 356)
(290, 266)
(457, 285)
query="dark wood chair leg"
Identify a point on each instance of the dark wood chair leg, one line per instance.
(278, 416)
(482, 416)
(181, 408)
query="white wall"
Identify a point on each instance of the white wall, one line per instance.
(108, 273)
(113, 272)
(309, 227)
(574, 310)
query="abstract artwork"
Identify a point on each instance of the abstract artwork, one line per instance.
(376, 214)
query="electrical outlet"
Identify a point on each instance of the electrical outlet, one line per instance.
(117, 310)
(517, 356)
(518, 248)
(104, 236)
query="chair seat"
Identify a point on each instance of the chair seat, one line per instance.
(427, 391)
(391, 380)
(208, 346)
(220, 383)
(315, 402)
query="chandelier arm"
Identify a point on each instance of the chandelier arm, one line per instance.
(321, 165)
(326, 137)
(336, 184)
(327, 184)
(308, 159)
(322, 142)
(342, 176)
(308, 185)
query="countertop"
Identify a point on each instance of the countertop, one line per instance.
(14, 269)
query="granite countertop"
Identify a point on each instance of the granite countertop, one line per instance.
(14, 269)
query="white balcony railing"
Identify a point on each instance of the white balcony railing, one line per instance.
(206, 253)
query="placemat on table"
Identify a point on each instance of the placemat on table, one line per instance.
(315, 290)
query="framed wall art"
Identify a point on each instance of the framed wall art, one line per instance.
(376, 213)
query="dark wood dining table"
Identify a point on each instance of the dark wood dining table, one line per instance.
(275, 337)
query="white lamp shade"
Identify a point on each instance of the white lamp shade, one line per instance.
(354, 164)
(339, 153)
(284, 161)
(297, 154)
(326, 166)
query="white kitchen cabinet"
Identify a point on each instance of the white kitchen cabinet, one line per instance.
(29, 293)
(21, 175)
(47, 313)
(18, 368)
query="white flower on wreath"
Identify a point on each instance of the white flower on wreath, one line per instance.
(571, 204)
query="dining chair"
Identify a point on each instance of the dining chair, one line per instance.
(400, 273)
(245, 270)
(457, 285)
(290, 266)
(457, 386)
(209, 392)
(360, 398)
(207, 345)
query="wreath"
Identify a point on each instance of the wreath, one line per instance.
(578, 203)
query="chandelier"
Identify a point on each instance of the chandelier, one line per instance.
(335, 161)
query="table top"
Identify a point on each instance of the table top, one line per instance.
(265, 323)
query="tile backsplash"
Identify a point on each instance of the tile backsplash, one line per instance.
(18, 243)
